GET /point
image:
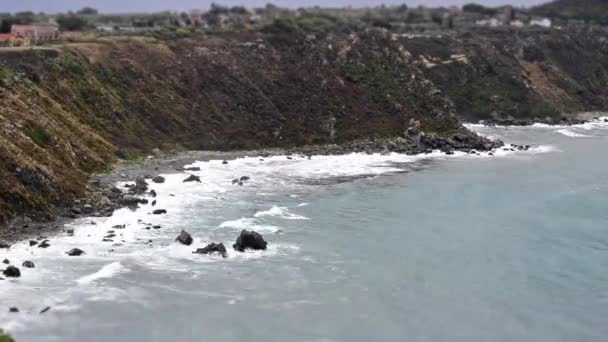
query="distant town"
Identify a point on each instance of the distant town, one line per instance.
(27, 28)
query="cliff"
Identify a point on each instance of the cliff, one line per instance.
(72, 109)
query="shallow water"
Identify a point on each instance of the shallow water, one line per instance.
(385, 248)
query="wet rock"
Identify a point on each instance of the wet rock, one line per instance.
(159, 212)
(213, 248)
(184, 238)
(158, 179)
(6, 261)
(76, 211)
(119, 226)
(244, 178)
(45, 310)
(44, 244)
(156, 227)
(152, 193)
(4, 244)
(129, 200)
(250, 240)
(109, 236)
(88, 209)
(28, 264)
(107, 240)
(192, 168)
(154, 203)
(12, 272)
(33, 243)
(235, 181)
(75, 252)
(13, 310)
(192, 178)
(224, 162)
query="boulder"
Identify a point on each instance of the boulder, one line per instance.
(158, 179)
(184, 238)
(44, 244)
(28, 264)
(75, 252)
(88, 209)
(213, 248)
(6, 261)
(152, 193)
(250, 240)
(13, 310)
(192, 168)
(192, 178)
(129, 200)
(244, 178)
(224, 162)
(4, 244)
(12, 272)
(159, 212)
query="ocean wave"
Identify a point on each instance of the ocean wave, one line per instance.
(281, 212)
(572, 134)
(249, 223)
(107, 271)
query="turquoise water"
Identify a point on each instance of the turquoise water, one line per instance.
(363, 248)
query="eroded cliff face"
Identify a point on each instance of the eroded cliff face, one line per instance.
(70, 110)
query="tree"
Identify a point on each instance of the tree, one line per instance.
(88, 11)
(71, 22)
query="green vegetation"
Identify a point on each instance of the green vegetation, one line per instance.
(72, 22)
(39, 136)
(5, 337)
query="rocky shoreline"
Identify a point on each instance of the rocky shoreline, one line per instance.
(104, 197)
(579, 119)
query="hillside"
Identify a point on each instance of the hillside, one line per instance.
(70, 110)
(588, 10)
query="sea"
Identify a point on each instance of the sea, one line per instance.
(469, 247)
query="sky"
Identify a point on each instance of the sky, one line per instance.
(122, 6)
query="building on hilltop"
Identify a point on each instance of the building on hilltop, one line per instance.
(36, 33)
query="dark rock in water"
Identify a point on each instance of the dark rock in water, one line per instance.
(129, 200)
(249, 240)
(4, 244)
(158, 179)
(75, 252)
(44, 244)
(109, 236)
(152, 193)
(143, 201)
(76, 211)
(240, 183)
(28, 264)
(45, 309)
(192, 168)
(107, 240)
(244, 178)
(12, 272)
(154, 203)
(13, 309)
(119, 226)
(156, 227)
(235, 181)
(159, 212)
(6, 261)
(213, 248)
(184, 238)
(192, 178)
(224, 162)
(88, 209)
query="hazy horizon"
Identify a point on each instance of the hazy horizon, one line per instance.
(120, 6)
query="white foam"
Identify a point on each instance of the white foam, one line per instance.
(281, 212)
(572, 134)
(249, 223)
(108, 271)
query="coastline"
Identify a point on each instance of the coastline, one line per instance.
(102, 198)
